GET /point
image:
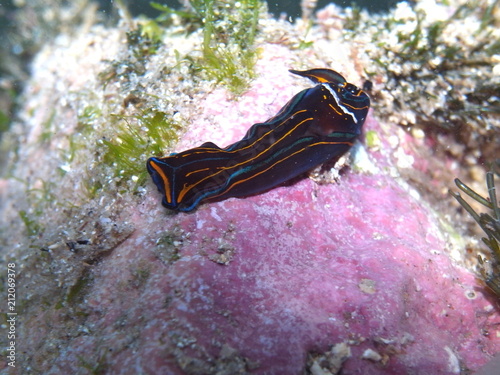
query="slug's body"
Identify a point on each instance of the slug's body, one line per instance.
(317, 125)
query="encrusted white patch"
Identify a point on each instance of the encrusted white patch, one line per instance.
(453, 361)
(361, 160)
(371, 355)
(213, 213)
(344, 109)
(199, 224)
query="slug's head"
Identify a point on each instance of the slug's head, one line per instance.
(353, 101)
(349, 102)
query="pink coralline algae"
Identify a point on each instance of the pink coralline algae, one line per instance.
(270, 283)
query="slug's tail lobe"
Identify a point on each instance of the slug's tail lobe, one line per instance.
(320, 75)
(161, 173)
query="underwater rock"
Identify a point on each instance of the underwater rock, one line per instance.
(284, 276)
(362, 276)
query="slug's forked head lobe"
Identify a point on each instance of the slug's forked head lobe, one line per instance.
(320, 75)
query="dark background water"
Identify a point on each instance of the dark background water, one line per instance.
(292, 8)
(288, 7)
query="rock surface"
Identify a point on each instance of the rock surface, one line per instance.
(362, 276)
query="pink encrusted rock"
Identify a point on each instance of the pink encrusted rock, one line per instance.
(261, 284)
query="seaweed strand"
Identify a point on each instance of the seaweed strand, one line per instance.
(490, 224)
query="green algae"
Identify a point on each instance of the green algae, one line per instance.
(167, 247)
(38, 199)
(4, 122)
(227, 56)
(228, 52)
(76, 292)
(99, 367)
(372, 139)
(142, 43)
(151, 133)
(48, 128)
(31, 223)
(229, 28)
(139, 275)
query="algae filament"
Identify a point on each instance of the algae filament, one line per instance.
(490, 224)
(154, 133)
(228, 54)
